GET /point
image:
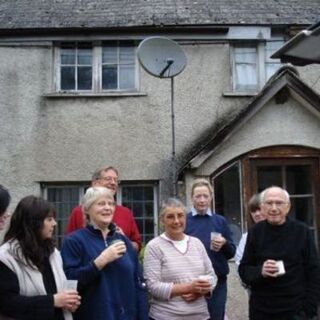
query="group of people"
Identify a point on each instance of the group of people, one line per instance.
(185, 268)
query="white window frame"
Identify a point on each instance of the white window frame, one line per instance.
(81, 190)
(96, 69)
(261, 61)
(155, 201)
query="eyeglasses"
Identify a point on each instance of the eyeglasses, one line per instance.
(278, 204)
(110, 179)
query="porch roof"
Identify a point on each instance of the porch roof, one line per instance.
(284, 83)
(302, 49)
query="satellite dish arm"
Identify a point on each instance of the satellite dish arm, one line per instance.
(169, 63)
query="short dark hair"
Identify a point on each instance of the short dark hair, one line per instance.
(5, 199)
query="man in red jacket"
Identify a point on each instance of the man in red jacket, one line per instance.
(108, 177)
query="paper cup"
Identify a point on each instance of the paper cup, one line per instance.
(208, 278)
(214, 235)
(281, 270)
(70, 284)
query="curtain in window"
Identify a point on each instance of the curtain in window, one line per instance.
(245, 60)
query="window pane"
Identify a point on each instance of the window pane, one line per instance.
(302, 209)
(246, 55)
(84, 56)
(68, 81)
(272, 65)
(245, 68)
(137, 193)
(63, 199)
(126, 76)
(137, 208)
(148, 210)
(110, 53)
(84, 78)
(271, 69)
(271, 47)
(109, 77)
(246, 77)
(134, 197)
(149, 226)
(126, 194)
(227, 199)
(127, 55)
(68, 56)
(148, 193)
(299, 180)
(268, 176)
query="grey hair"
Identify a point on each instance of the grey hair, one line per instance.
(285, 192)
(171, 203)
(91, 196)
(97, 174)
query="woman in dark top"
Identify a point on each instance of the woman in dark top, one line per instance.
(31, 275)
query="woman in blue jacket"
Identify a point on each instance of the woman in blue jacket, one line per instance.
(105, 264)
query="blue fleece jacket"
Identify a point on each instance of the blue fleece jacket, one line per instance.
(116, 292)
(201, 226)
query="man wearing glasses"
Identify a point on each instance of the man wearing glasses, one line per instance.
(123, 218)
(280, 264)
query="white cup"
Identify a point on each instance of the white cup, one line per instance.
(70, 285)
(281, 270)
(214, 235)
(208, 278)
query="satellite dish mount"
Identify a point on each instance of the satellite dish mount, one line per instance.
(164, 58)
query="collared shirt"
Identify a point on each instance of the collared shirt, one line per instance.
(180, 245)
(194, 212)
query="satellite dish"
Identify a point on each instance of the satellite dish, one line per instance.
(161, 57)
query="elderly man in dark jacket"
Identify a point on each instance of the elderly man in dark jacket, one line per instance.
(280, 264)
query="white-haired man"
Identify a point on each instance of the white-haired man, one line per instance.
(280, 263)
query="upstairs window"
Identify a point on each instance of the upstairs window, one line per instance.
(76, 66)
(252, 66)
(118, 66)
(96, 67)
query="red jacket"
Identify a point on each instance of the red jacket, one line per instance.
(122, 217)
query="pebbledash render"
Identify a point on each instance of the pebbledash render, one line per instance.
(73, 97)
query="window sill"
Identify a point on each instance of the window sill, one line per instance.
(239, 93)
(94, 94)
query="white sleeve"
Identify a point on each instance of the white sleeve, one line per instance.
(240, 249)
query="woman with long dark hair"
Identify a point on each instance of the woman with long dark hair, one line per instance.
(31, 275)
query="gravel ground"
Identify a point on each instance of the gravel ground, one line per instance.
(237, 300)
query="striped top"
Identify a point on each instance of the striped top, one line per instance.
(164, 266)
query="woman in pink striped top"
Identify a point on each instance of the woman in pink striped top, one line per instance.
(177, 270)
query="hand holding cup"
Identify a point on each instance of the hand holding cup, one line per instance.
(273, 268)
(217, 241)
(114, 251)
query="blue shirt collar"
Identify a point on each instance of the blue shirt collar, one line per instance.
(195, 213)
